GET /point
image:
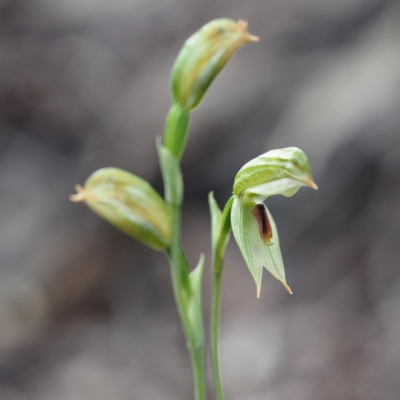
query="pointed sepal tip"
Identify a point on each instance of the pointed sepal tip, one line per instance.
(285, 285)
(312, 185)
(79, 195)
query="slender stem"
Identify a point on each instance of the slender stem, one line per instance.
(199, 377)
(176, 130)
(186, 286)
(181, 287)
(214, 325)
(221, 227)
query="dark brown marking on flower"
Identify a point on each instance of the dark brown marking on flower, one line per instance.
(264, 226)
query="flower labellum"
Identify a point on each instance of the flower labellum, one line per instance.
(264, 225)
(129, 203)
(281, 171)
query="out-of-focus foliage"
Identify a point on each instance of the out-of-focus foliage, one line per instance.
(85, 313)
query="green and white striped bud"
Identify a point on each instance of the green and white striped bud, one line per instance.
(129, 203)
(203, 56)
(200, 60)
(281, 171)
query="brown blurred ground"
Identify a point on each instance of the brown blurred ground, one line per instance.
(85, 312)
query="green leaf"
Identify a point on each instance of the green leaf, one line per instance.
(172, 176)
(130, 204)
(220, 224)
(256, 253)
(194, 306)
(226, 218)
(216, 215)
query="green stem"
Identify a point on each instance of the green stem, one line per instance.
(176, 130)
(199, 378)
(221, 227)
(214, 325)
(186, 285)
(182, 292)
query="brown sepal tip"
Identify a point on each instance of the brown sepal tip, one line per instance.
(284, 285)
(287, 288)
(79, 195)
(243, 26)
(313, 185)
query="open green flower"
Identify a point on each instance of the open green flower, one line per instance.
(281, 171)
(129, 203)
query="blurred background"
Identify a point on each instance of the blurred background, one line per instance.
(88, 314)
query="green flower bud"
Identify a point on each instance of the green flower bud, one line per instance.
(281, 171)
(203, 56)
(129, 203)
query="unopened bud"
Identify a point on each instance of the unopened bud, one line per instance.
(129, 203)
(203, 56)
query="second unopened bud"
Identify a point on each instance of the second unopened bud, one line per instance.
(203, 56)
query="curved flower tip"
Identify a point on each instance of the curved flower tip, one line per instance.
(242, 24)
(285, 285)
(312, 185)
(79, 195)
(287, 288)
(280, 171)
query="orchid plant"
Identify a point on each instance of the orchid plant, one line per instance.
(132, 205)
